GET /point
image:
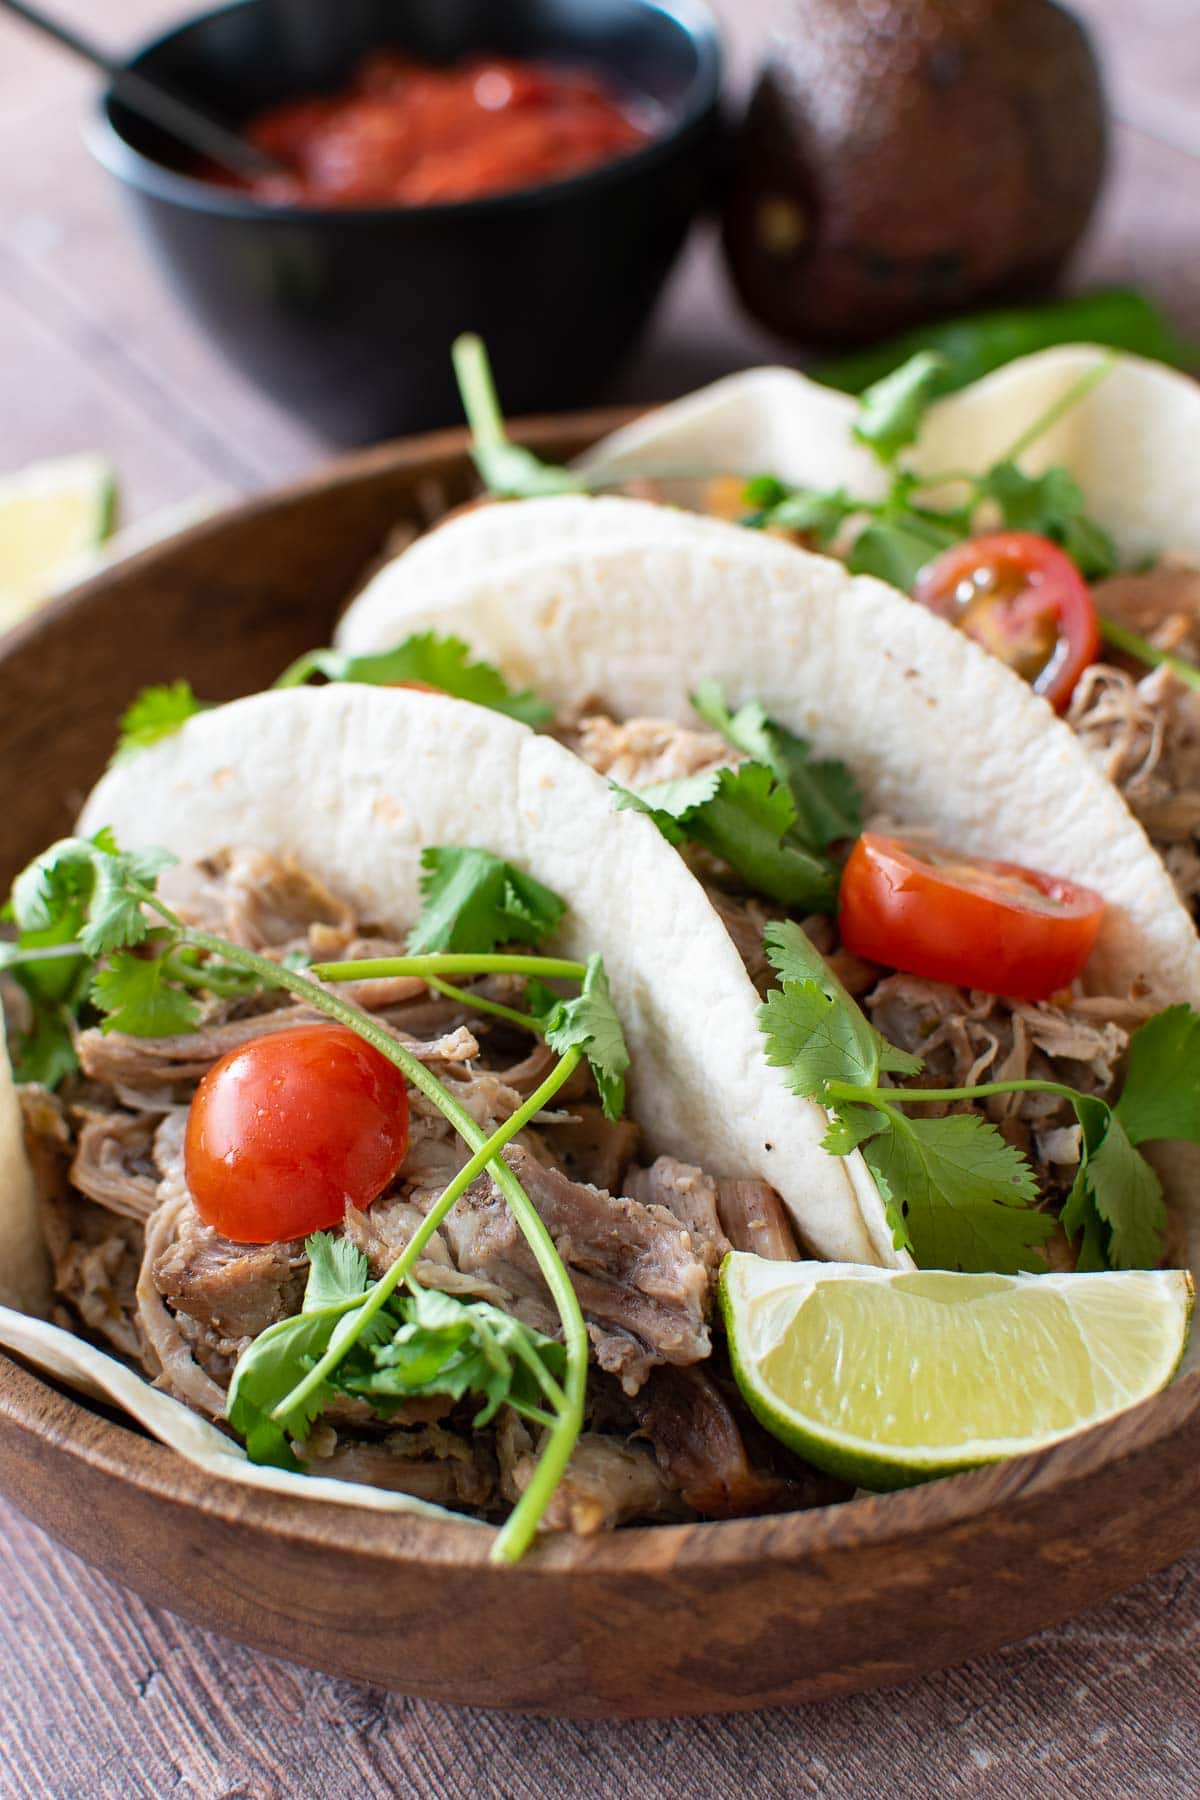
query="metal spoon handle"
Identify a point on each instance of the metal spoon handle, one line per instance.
(156, 101)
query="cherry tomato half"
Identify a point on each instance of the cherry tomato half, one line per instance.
(1023, 599)
(976, 924)
(286, 1129)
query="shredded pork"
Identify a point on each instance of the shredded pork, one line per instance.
(137, 1268)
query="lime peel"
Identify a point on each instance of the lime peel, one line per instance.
(890, 1377)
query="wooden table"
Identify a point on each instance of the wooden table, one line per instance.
(108, 1699)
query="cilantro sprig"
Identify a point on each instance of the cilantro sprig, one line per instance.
(956, 1194)
(474, 901)
(771, 818)
(155, 713)
(895, 537)
(506, 469)
(94, 933)
(419, 1342)
(430, 660)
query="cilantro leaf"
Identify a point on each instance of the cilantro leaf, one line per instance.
(337, 1271)
(1161, 1095)
(896, 549)
(264, 1376)
(1127, 1196)
(157, 712)
(589, 1022)
(91, 883)
(474, 901)
(776, 507)
(959, 1194)
(816, 1039)
(747, 818)
(848, 1047)
(44, 1053)
(1052, 505)
(892, 409)
(437, 662)
(505, 468)
(827, 801)
(136, 996)
(453, 1347)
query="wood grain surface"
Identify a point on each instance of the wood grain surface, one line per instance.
(107, 1697)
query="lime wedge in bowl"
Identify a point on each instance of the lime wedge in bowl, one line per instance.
(50, 515)
(888, 1377)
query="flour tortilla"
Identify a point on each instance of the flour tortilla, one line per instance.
(1132, 443)
(940, 735)
(354, 782)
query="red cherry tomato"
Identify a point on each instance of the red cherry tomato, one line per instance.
(1023, 599)
(976, 924)
(285, 1130)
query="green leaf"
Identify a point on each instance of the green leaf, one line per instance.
(337, 1271)
(891, 411)
(1161, 1095)
(776, 507)
(895, 550)
(960, 1193)
(505, 468)
(474, 901)
(1052, 505)
(157, 712)
(851, 1126)
(827, 801)
(1127, 1195)
(745, 817)
(136, 997)
(1079, 1219)
(448, 1346)
(266, 1373)
(814, 1026)
(91, 884)
(437, 662)
(46, 1052)
(589, 1022)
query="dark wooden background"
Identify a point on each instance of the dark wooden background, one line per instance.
(107, 1699)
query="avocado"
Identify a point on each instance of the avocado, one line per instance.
(904, 159)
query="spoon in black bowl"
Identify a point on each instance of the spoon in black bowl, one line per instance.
(185, 121)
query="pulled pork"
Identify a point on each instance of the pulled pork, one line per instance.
(137, 1268)
(963, 1037)
(1144, 729)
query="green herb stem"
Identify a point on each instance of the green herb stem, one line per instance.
(451, 962)
(1078, 390)
(477, 389)
(298, 672)
(521, 1526)
(526, 1021)
(886, 1098)
(1134, 645)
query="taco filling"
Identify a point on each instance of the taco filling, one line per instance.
(925, 975)
(117, 1148)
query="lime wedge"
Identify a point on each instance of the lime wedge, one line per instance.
(890, 1376)
(50, 515)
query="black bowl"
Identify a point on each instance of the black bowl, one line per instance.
(346, 317)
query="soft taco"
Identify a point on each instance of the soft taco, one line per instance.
(147, 1261)
(1068, 543)
(759, 700)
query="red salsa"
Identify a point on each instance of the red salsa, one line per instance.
(404, 133)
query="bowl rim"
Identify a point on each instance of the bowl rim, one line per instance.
(64, 1422)
(131, 166)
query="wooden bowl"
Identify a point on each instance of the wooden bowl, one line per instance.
(669, 1619)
